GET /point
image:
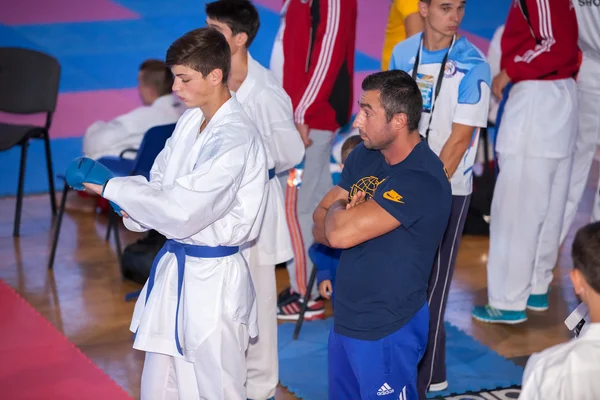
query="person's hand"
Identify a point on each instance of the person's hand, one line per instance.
(304, 131)
(93, 187)
(357, 199)
(325, 288)
(499, 83)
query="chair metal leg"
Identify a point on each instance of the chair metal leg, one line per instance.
(111, 220)
(17, 223)
(311, 283)
(114, 222)
(57, 225)
(50, 174)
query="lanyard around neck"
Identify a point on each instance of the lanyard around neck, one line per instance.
(438, 84)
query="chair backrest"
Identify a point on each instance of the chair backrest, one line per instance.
(28, 81)
(153, 142)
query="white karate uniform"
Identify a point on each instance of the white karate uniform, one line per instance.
(270, 108)
(535, 146)
(568, 371)
(588, 87)
(127, 131)
(205, 189)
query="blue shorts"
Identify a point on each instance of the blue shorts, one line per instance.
(381, 369)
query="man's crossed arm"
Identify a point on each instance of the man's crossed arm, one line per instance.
(340, 224)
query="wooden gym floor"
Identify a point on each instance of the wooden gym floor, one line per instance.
(84, 295)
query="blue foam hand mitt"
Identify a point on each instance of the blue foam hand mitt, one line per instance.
(84, 169)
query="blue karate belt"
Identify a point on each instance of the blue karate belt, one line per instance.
(271, 173)
(181, 250)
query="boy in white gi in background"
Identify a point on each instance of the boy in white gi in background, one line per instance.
(270, 108)
(570, 370)
(206, 194)
(159, 107)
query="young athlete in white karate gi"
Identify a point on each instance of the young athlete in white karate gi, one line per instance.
(206, 194)
(570, 371)
(270, 108)
(160, 107)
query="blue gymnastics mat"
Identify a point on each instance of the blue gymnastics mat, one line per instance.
(471, 366)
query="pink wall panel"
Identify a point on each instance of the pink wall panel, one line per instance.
(27, 12)
(76, 111)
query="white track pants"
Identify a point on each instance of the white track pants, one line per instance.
(526, 220)
(535, 145)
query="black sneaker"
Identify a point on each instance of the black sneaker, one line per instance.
(286, 295)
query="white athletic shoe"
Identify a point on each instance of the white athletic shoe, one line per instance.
(438, 387)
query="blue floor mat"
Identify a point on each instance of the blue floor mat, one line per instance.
(471, 366)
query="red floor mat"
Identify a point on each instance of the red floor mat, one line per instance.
(38, 362)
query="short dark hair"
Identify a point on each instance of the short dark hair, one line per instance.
(349, 145)
(157, 74)
(239, 15)
(586, 254)
(398, 93)
(203, 50)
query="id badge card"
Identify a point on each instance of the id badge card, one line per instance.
(425, 84)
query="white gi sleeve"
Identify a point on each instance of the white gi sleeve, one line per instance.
(134, 226)
(556, 373)
(102, 136)
(194, 201)
(284, 141)
(531, 380)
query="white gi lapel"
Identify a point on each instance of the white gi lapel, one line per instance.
(248, 85)
(183, 140)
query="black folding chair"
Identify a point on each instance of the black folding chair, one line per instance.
(28, 85)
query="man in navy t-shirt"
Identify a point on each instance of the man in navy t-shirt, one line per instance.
(388, 213)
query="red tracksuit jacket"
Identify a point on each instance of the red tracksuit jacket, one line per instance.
(318, 68)
(545, 51)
